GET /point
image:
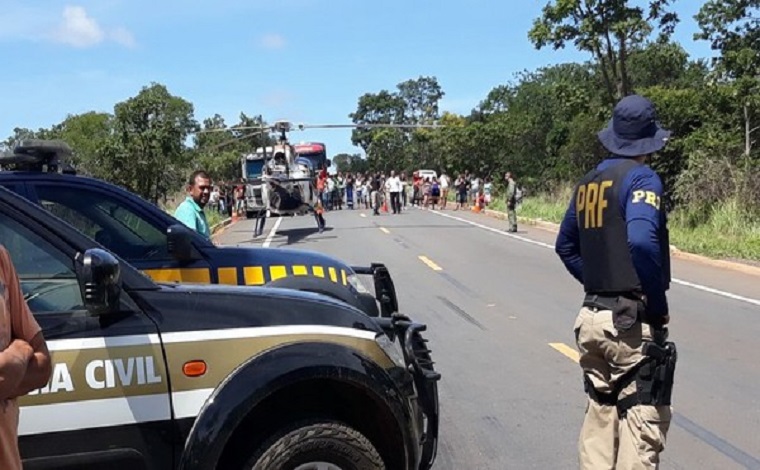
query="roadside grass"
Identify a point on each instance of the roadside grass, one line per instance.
(725, 231)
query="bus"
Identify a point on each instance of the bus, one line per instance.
(315, 152)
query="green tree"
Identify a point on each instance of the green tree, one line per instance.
(421, 98)
(375, 108)
(350, 163)
(733, 28)
(148, 153)
(87, 134)
(217, 150)
(608, 29)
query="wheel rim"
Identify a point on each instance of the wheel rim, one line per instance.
(318, 466)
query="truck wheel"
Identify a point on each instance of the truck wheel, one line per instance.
(320, 445)
(365, 303)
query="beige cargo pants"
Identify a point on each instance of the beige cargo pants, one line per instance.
(607, 442)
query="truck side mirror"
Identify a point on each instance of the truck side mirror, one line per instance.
(100, 281)
(179, 243)
(329, 163)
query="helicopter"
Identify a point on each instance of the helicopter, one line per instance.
(288, 183)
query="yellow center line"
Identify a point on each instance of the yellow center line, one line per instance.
(384, 230)
(430, 263)
(566, 351)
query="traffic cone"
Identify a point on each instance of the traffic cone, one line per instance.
(385, 206)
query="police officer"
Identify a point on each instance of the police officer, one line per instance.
(511, 201)
(614, 241)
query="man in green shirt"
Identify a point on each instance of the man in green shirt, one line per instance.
(190, 212)
(511, 202)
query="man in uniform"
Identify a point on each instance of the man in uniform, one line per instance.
(190, 212)
(614, 240)
(511, 201)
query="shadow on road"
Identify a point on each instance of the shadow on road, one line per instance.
(297, 235)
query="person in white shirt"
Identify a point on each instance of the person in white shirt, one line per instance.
(213, 200)
(487, 190)
(394, 187)
(474, 189)
(444, 182)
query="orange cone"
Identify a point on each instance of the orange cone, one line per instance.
(385, 206)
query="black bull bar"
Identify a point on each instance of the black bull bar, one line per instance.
(417, 356)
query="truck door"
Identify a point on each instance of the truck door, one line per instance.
(107, 402)
(123, 227)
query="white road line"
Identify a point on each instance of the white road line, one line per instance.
(495, 230)
(711, 290)
(717, 292)
(268, 241)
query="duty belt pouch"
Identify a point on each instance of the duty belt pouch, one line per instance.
(625, 313)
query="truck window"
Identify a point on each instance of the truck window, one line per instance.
(46, 274)
(106, 219)
(254, 168)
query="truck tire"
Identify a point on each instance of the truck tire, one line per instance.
(364, 302)
(316, 442)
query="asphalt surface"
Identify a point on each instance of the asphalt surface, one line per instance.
(500, 310)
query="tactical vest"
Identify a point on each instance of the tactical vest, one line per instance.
(607, 264)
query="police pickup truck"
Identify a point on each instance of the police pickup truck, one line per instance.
(157, 244)
(152, 375)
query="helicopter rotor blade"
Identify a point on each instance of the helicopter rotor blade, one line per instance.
(360, 126)
(233, 140)
(238, 128)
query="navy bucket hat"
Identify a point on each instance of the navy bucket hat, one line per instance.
(633, 130)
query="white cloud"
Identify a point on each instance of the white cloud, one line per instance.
(122, 36)
(277, 99)
(272, 41)
(75, 27)
(78, 29)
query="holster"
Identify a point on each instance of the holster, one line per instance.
(654, 377)
(626, 309)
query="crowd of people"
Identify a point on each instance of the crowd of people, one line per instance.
(395, 191)
(392, 192)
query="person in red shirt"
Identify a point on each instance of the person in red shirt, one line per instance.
(24, 359)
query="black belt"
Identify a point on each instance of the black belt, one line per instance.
(608, 301)
(619, 303)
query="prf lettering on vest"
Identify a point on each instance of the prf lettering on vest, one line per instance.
(591, 201)
(648, 197)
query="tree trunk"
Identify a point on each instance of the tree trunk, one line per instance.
(747, 133)
(625, 85)
(613, 65)
(605, 73)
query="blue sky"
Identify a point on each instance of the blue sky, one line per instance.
(301, 60)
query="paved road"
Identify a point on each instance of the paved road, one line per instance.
(500, 309)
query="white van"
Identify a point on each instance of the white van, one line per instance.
(424, 174)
